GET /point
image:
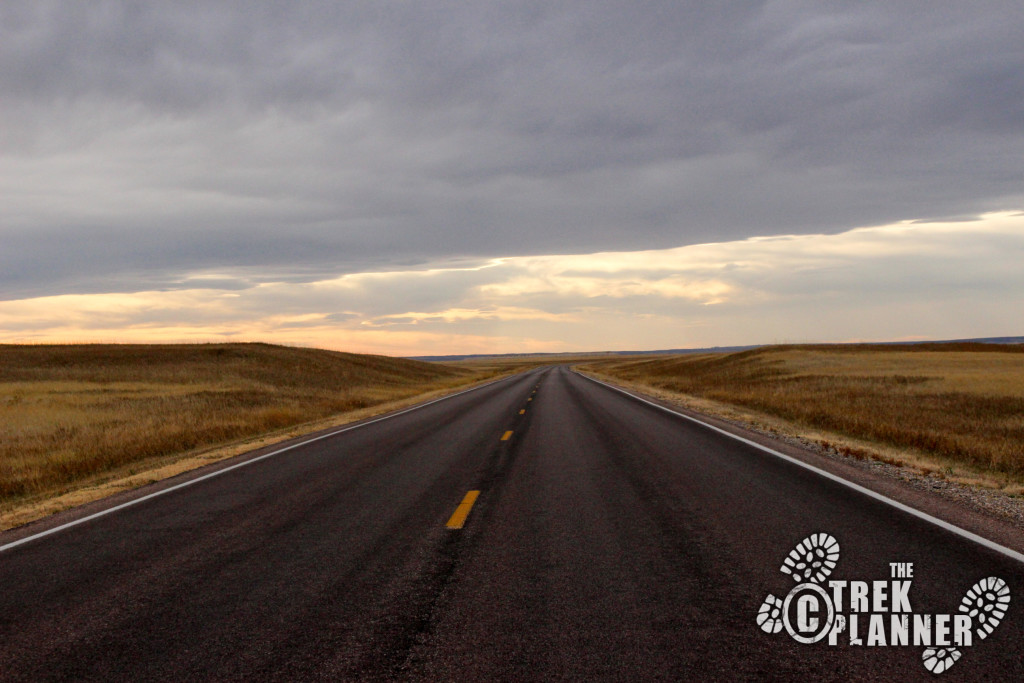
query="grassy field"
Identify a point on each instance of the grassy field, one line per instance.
(522, 362)
(947, 404)
(70, 413)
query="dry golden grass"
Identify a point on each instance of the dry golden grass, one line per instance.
(510, 363)
(949, 403)
(70, 413)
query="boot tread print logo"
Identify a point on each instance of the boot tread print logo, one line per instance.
(769, 616)
(813, 559)
(986, 604)
(876, 613)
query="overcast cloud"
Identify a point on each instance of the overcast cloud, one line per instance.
(146, 146)
(900, 282)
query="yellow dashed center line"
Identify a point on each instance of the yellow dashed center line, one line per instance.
(522, 411)
(507, 435)
(458, 518)
(529, 399)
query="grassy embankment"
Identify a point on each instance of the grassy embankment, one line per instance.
(72, 415)
(951, 409)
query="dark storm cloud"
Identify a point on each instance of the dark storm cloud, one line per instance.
(144, 141)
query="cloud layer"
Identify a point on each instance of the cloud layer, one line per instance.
(904, 281)
(145, 145)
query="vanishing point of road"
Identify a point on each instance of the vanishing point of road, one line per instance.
(540, 527)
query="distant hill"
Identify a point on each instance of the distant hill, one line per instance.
(982, 340)
(708, 349)
(579, 354)
(263, 365)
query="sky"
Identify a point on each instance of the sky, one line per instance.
(428, 178)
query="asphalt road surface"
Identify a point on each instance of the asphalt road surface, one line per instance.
(610, 540)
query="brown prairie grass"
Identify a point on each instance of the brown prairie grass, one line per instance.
(951, 403)
(69, 413)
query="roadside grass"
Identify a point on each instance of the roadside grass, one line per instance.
(938, 406)
(71, 413)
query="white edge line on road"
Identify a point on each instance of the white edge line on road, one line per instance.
(981, 540)
(190, 482)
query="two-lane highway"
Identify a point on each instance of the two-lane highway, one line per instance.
(541, 527)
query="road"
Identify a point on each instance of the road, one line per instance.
(610, 540)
